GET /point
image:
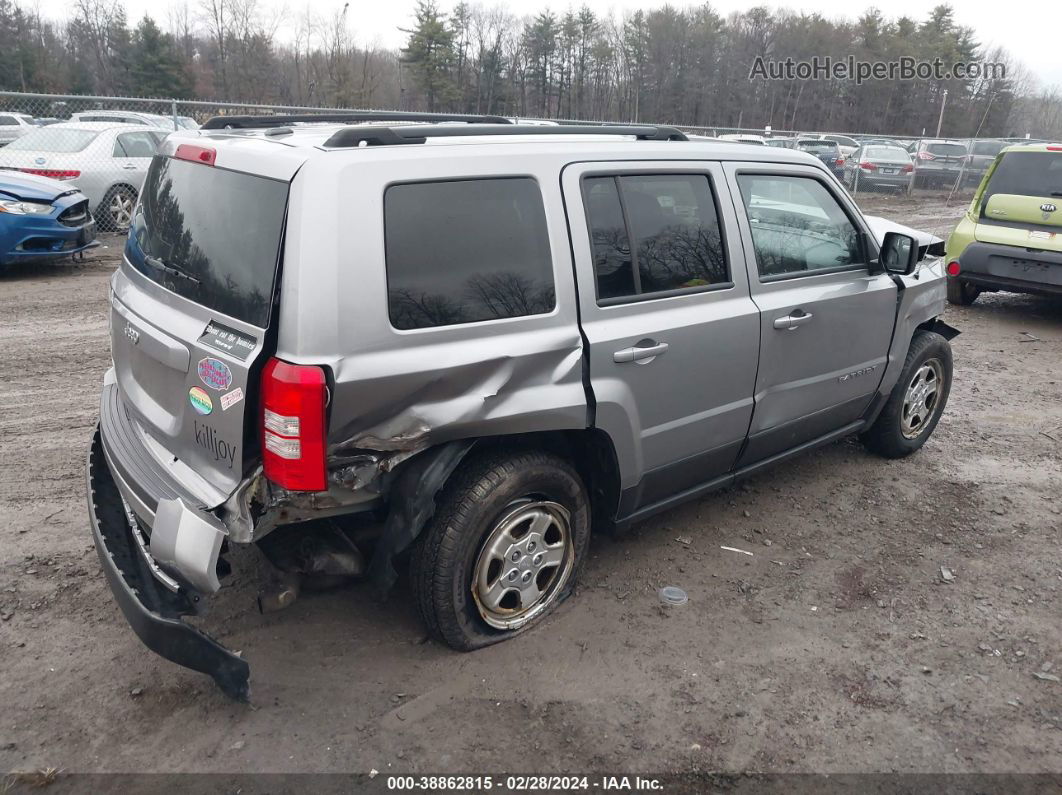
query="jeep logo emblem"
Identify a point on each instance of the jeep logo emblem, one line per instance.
(132, 334)
(1048, 208)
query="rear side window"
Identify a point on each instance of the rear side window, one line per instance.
(210, 235)
(466, 251)
(8, 121)
(653, 233)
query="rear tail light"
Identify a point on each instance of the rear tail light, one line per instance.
(839, 161)
(52, 172)
(294, 401)
(907, 169)
(868, 166)
(196, 154)
(926, 156)
(953, 268)
(1054, 149)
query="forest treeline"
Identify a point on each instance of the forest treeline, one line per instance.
(679, 65)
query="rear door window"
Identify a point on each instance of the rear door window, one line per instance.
(8, 121)
(210, 235)
(654, 234)
(465, 251)
(135, 144)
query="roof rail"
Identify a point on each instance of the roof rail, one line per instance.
(385, 136)
(343, 117)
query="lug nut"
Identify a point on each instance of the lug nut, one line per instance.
(530, 546)
(512, 575)
(527, 577)
(538, 559)
(516, 556)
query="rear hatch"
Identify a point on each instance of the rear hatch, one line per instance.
(942, 155)
(191, 309)
(1022, 201)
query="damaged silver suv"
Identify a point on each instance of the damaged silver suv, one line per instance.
(487, 337)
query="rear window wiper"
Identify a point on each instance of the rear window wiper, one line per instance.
(155, 262)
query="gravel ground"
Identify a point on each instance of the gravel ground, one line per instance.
(835, 647)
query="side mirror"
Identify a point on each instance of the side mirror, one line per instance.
(899, 253)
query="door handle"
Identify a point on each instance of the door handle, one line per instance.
(129, 166)
(639, 354)
(793, 321)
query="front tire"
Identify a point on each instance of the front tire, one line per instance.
(917, 400)
(961, 293)
(509, 535)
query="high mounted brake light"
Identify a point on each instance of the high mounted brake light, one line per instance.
(196, 154)
(294, 398)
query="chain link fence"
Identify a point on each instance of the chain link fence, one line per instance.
(104, 146)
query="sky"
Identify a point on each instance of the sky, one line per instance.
(1034, 43)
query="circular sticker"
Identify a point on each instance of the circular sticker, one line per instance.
(200, 400)
(215, 373)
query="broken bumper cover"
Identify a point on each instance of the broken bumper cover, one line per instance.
(152, 609)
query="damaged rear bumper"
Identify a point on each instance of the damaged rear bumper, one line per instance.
(152, 609)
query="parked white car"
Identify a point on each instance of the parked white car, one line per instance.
(133, 117)
(14, 125)
(106, 161)
(846, 143)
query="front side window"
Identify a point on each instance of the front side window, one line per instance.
(653, 233)
(797, 226)
(466, 251)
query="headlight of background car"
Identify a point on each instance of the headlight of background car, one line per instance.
(24, 208)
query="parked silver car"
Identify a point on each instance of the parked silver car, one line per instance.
(107, 161)
(14, 125)
(491, 347)
(878, 166)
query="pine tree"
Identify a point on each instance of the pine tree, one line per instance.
(430, 54)
(156, 68)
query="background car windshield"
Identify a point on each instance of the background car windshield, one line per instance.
(221, 228)
(54, 140)
(1027, 174)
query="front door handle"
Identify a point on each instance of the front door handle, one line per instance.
(793, 321)
(639, 354)
(129, 166)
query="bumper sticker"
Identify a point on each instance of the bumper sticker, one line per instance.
(231, 398)
(200, 400)
(229, 340)
(215, 373)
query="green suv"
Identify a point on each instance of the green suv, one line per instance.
(1011, 236)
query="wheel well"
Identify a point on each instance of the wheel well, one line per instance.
(590, 451)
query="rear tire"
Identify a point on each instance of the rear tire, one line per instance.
(917, 400)
(115, 212)
(961, 293)
(504, 548)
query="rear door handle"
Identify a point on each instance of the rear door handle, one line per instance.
(638, 354)
(793, 321)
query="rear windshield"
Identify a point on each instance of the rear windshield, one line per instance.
(1027, 174)
(818, 146)
(210, 235)
(888, 153)
(987, 148)
(54, 140)
(946, 150)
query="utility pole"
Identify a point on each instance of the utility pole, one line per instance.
(940, 119)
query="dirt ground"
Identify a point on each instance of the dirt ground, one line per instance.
(834, 647)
